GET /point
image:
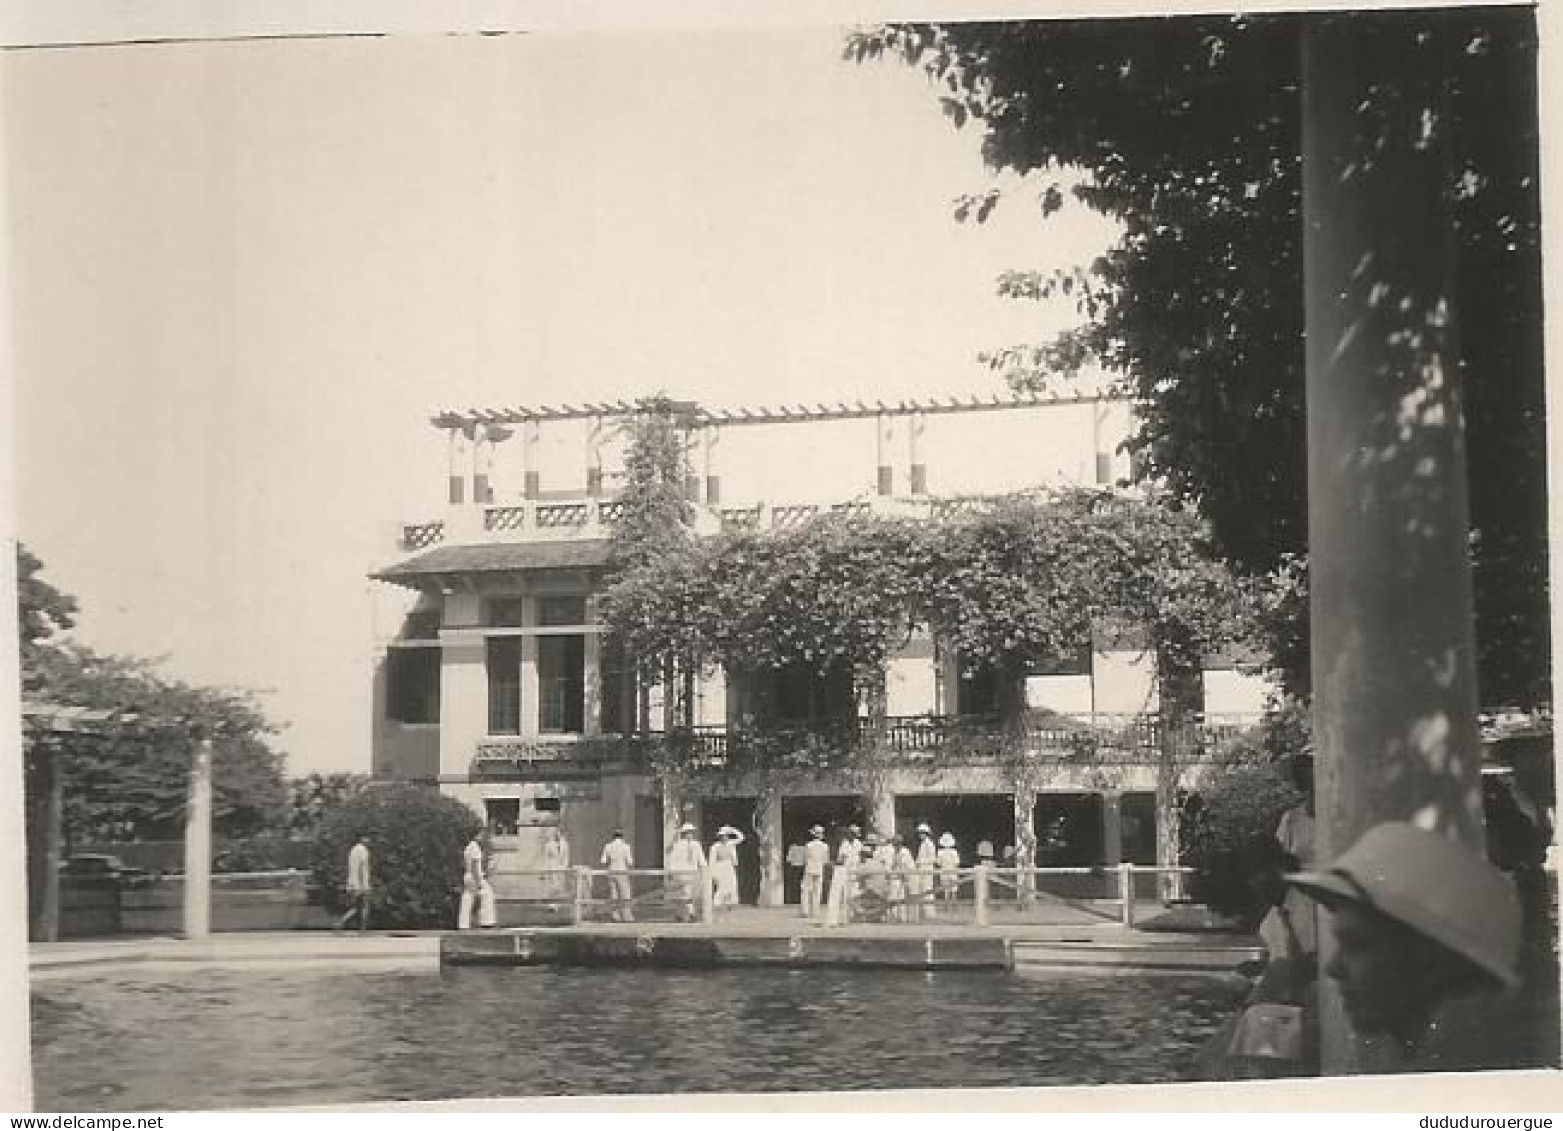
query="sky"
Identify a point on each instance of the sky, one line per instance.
(244, 275)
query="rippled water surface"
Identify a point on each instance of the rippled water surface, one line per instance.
(196, 1039)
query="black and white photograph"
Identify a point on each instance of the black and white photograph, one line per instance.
(749, 558)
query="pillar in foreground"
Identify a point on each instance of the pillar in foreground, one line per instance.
(198, 844)
(1394, 709)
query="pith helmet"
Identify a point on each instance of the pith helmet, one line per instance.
(1429, 883)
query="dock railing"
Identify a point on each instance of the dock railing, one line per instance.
(984, 896)
(604, 895)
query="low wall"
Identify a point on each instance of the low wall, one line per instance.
(243, 901)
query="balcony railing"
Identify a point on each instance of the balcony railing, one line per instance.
(907, 738)
(552, 517)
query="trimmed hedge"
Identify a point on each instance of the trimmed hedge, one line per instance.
(416, 835)
(1229, 835)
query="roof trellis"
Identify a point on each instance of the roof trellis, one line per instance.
(765, 414)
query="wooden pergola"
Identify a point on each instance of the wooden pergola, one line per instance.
(698, 416)
(47, 727)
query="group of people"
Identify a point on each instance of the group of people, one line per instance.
(903, 882)
(687, 860)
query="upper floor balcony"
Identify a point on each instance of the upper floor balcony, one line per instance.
(907, 739)
(589, 518)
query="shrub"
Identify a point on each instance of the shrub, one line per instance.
(1224, 830)
(415, 840)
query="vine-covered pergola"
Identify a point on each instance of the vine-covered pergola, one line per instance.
(1024, 582)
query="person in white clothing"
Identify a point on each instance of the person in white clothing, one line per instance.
(920, 886)
(849, 854)
(948, 861)
(556, 861)
(685, 862)
(724, 868)
(475, 887)
(358, 885)
(816, 854)
(902, 865)
(618, 859)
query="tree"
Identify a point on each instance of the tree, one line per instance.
(130, 781)
(315, 796)
(1187, 131)
(416, 836)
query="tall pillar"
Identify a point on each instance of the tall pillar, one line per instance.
(1025, 817)
(768, 828)
(594, 458)
(712, 436)
(592, 665)
(45, 847)
(1394, 709)
(198, 844)
(530, 685)
(456, 452)
(674, 814)
(885, 433)
(531, 437)
(1104, 459)
(1112, 827)
(917, 470)
(482, 468)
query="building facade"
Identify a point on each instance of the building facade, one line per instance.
(494, 680)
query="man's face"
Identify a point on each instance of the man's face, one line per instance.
(1375, 965)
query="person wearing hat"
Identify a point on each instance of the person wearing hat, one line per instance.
(724, 868)
(816, 854)
(849, 855)
(618, 859)
(903, 867)
(920, 885)
(685, 862)
(948, 861)
(1427, 935)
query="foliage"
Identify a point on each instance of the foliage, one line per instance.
(132, 783)
(315, 796)
(415, 837)
(42, 610)
(1023, 582)
(1235, 812)
(654, 513)
(1187, 132)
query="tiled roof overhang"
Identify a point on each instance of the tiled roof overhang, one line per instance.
(496, 557)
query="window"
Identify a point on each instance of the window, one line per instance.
(618, 689)
(504, 685)
(561, 612)
(800, 691)
(561, 680)
(412, 685)
(502, 612)
(504, 815)
(546, 804)
(977, 692)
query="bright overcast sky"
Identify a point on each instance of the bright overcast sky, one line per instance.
(245, 274)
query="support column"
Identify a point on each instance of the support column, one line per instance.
(592, 663)
(673, 815)
(45, 839)
(594, 458)
(482, 467)
(456, 452)
(712, 436)
(691, 480)
(885, 433)
(1104, 459)
(917, 469)
(1394, 708)
(531, 438)
(1025, 837)
(1112, 827)
(768, 829)
(530, 684)
(198, 844)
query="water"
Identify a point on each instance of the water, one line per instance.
(214, 1038)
